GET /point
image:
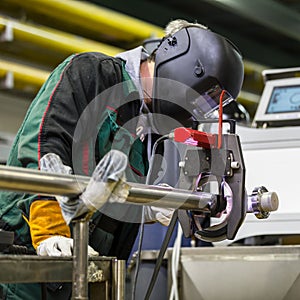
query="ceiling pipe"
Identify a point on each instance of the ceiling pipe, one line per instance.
(49, 38)
(92, 18)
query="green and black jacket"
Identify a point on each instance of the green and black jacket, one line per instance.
(87, 106)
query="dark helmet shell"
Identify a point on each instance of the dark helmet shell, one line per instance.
(197, 64)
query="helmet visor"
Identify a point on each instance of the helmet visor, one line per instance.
(207, 102)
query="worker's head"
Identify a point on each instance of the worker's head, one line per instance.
(193, 65)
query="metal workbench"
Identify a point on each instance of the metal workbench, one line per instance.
(106, 275)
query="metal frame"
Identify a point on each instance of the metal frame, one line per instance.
(34, 181)
(37, 182)
(107, 274)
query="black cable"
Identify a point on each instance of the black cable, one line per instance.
(154, 148)
(138, 261)
(138, 256)
(161, 254)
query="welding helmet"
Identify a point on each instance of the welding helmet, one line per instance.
(192, 68)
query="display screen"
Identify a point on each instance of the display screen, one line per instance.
(284, 99)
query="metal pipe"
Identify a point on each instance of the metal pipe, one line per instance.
(23, 75)
(92, 19)
(118, 279)
(80, 260)
(37, 182)
(55, 40)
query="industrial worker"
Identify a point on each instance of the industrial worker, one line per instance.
(92, 103)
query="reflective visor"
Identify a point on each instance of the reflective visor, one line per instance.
(209, 101)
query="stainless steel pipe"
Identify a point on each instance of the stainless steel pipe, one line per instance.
(118, 279)
(37, 182)
(80, 260)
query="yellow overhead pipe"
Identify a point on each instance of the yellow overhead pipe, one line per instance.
(24, 77)
(30, 79)
(53, 39)
(68, 43)
(94, 19)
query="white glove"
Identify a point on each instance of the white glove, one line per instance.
(52, 163)
(108, 183)
(59, 246)
(158, 214)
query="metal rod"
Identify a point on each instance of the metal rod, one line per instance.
(37, 182)
(118, 279)
(80, 260)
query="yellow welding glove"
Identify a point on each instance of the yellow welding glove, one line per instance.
(49, 232)
(46, 220)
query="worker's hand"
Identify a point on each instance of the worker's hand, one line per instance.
(59, 246)
(158, 214)
(108, 182)
(52, 163)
